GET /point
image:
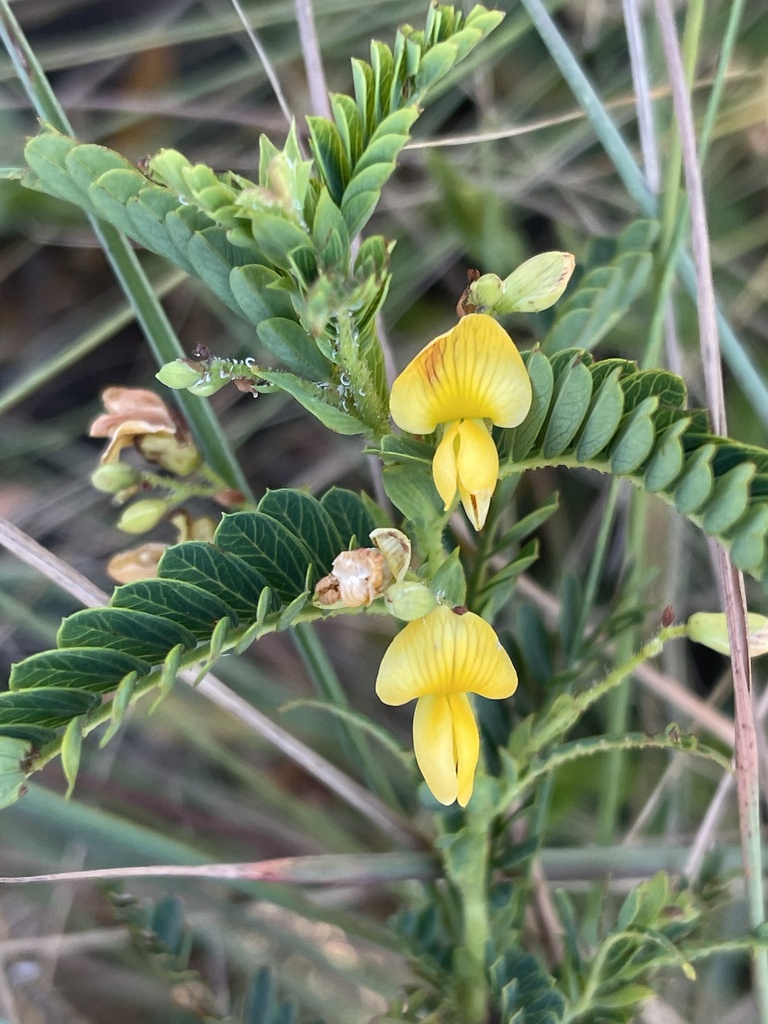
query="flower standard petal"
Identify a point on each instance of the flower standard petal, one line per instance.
(445, 653)
(433, 744)
(474, 371)
(466, 745)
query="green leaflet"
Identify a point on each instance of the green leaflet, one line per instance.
(349, 515)
(299, 512)
(47, 706)
(313, 397)
(83, 668)
(570, 405)
(543, 383)
(293, 346)
(133, 632)
(524, 989)
(219, 573)
(268, 547)
(183, 603)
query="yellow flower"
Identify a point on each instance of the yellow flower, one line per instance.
(439, 660)
(463, 379)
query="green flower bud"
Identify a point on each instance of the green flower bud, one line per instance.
(181, 373)
(711, 630)
(113, 477)
(409, 600)
(142, 516)
(207, 386)
(486, 292)
(537, 284)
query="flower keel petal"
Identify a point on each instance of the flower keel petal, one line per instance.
(433, 744)
(466, 745)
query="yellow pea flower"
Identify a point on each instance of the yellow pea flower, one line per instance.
(439, 660)
(463, 379)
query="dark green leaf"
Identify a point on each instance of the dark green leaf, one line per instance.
(330, 156)
(294, 347)
(305, 517)
(144, 636)
(217, 572)
(46, 706)
(667, 387)
(542, 382)
(572, 399)
(34, 734)
(349, 515)
(330, 235)
(347, 118)
(634, 441)
(78, 668)
(183, 603)
(269, 548)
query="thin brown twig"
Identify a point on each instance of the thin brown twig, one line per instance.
(266, 63)
(730, 579)
(313, 61)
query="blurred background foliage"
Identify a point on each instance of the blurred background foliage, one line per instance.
(503, 165)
